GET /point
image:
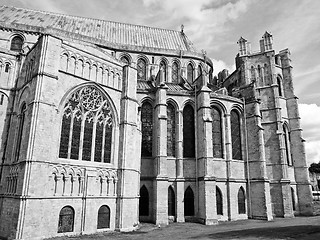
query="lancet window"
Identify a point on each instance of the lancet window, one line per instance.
(163, 66)
(188, 132)
(175, 72)
(286, 139)
(216, 133)
(190, 73)
(87, 123)
(147, 126)
(171, 130)
(236, 135)
(141, 69)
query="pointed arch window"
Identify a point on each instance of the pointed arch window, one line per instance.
(163, 66)
(236, 135)
(293, 199)
(103, 217)
(66, 220)
(22, 118)
(171, 202)
(16, 44)
(188, 202)
(188, 132)
(280, 89)
(144, 202)
(241, 201)
(147, 129)
(171, 130)
(219, 202)
(253, 73)
(87, 111)
(141, 69)
(216, 132)
(175, 72)
(190, 73)
(286, 139)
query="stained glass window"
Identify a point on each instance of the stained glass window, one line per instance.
(16, 44)
(89, 111)
(66, 220)
(241, 201)
(171, 202)
(188, 202)
(216, 133)
(141, 69)
(171, 130)
(190, 73)
(147, 127)
(236, 135)
(103, 217)
(144, 202)
(188, 132)
(219, 201)
(163, 66)
(175, 72)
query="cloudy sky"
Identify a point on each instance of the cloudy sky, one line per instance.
(216, 25)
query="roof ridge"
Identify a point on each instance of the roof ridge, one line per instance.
(89, 18)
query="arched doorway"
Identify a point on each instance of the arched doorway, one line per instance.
(171, 204)
(188, 202)
(144, 202)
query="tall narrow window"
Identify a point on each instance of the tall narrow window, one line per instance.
(175, 72)
(293, 199)
(147, 126)
(190, 73)
(199, 70)
(171, 202)
(286, 139)
(144, 202)
(103, 217)
(171, 130)
(16, 44)
(280, 90)
(241, 201)
(163, 66)
(22, 117)
(188, 202)
(141, 69)
(89, 111)
(66, 220)
(253, 73)
(236, 135)
(188, 132)
(219, 202)
(216, 133)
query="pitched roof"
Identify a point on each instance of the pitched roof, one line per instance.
(106, 33)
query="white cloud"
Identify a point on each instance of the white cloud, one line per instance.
(310, 123)
(219, 65)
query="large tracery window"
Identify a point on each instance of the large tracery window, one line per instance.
(216, 133)
(236, 135)
(171, 130)
(87, 122)
(141, 69)
(188, 132)
(175, 72)
(190, 73)
(147, 126)
(16, 44)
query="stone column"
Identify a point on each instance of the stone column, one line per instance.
(129, 155)
(160, 185)
(207, 182)
(228, 150)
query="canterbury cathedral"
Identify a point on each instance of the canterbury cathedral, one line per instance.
(104, 125)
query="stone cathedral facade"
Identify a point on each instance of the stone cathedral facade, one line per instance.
(104, 125)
